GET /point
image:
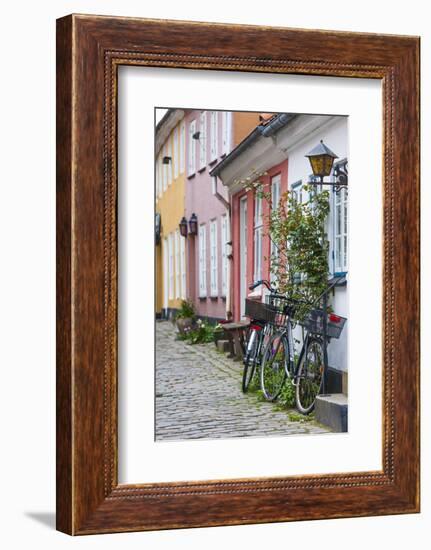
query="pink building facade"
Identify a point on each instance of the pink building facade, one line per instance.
(210, 136)
(251, 245)
(206, 285)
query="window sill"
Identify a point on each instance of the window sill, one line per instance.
(338, 275)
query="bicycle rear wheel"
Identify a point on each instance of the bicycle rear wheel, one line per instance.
(250, 359)
(273, 371)
(310, 376)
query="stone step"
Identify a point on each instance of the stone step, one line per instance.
(331, 410)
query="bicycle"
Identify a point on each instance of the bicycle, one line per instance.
(259, 332)
(307, 372)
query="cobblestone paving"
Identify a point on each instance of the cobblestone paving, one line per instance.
(198, 395)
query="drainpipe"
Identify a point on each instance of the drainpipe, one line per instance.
(229, 268)
(226, 204)
(217, 194)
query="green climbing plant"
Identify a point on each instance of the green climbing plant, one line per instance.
(299, 261)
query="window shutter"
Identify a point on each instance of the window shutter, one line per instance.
(203, 140)
(192, 149)
(224, 240)
(171, 266)
(183, 267)
(165, 169)
(226, 131)
(340, 231)
(182, 146)
(214, 135)
(213, 258)
(177, 265)
(202, 262)
(176, 155)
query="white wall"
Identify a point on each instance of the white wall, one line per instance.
(27, 276)
(335, 135)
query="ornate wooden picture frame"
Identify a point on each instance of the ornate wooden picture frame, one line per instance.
(89, 51)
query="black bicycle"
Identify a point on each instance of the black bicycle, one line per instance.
(259, 332)
(306, 370)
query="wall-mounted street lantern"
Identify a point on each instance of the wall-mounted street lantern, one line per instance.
(196, 135)
(193, 224)
(183, 227)
(166, 160)
(322, 160)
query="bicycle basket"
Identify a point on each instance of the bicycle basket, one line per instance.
(314, 323)
(259, 311)
(273, 310)
(281, 308)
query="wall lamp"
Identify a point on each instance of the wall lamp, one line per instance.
(183, 227)
(322, 160)
(193, 224)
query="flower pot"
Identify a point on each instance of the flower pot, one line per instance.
(184, 323)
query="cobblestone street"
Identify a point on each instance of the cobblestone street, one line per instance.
(198, 395)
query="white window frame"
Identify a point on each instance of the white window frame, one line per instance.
(176, 155)
(170, 155)
(297, 189)
(301, 196)
(224, 241)
(177, 265)
(171, 266)
(341, 236)
(164, 169)
(202, 261)
(192, 149)
(160, 175)
(213, 259)
(158, 182)
(275, 199)
(183, 267)
(214, 135)
(182, 146)
(203, 140)
(226, 131)
(258, 233)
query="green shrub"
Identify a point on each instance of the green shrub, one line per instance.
(187, 310)
(201, 333)
(286, 399)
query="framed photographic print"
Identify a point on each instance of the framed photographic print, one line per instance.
(237, 274)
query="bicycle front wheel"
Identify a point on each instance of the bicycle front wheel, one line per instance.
(250, 359)
(273, 370)
(310, 376)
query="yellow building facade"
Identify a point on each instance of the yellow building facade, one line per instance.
(170, 255)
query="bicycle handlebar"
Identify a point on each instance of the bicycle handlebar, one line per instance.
(262, 282)
(267, 284)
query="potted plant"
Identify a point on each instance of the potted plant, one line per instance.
(185, 317)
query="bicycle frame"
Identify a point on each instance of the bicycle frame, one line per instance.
(291, 366)
(261, 333)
